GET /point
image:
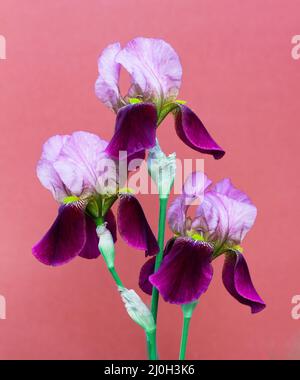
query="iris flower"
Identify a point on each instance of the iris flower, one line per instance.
(76, 169)
(223, 218)
(155, 71)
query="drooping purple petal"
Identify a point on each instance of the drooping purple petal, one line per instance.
(90, 249)
(111, 224)
(186, 271)
(133, 225)
(237, 281)
(148, 269)
(106, 86)
(135, 130)
(154, 67)
(192, 132)
(65, 238)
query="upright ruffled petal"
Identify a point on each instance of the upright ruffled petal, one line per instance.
(82, 162)
(90, 249)
(65, 239)
(148, 269)
(46, 172)
(226, 187)
(224, 218)
(106, 86)
(133, 226)
(195, 185)
(154, 67)
(237, 281)
(135, 130)
(176, 215)
(185, 272)
(192, 132)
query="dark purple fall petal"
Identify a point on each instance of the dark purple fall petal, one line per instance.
(111, 224)
(65, 238)
(148, 269)
(192, 132)
(135, 130)
(237, 281)
(90, 249)
(133, 225)
(185, 272)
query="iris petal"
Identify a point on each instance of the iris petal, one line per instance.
(237, 281)
(192, 132)
(65, 238)
(133, 225)
(185, 272)
(106, 87)
(111, 224)
(154, 67)
(90, 249)
(135, 130)
(148, 269)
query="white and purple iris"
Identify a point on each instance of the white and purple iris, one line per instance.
(155, 71)
(222, 220)
(76, 169)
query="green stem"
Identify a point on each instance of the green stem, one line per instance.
(151, 344)
(184, 337)
(116, 277)
(187, 310)
(161, 242)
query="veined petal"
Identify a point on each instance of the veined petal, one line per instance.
(185, 272)
(111, 224)
(195, 184)
(65, 239)
(133, 225)
(90, 249)
(135, 130)
(154, 67)
(192, 132)
(106, 87)
(148, 269)
(226, 187)
(237, 281)
(46, 172)
(224, 218)
(51, 180)
(80, 162)
(176, 215)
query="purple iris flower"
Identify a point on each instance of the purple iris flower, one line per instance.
(83, 180)
(155, 71)
(223, 218)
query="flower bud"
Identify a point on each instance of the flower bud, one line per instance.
(162, 170)
(137, 310)
(106, 245)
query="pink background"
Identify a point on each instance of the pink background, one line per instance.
(239, 76)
